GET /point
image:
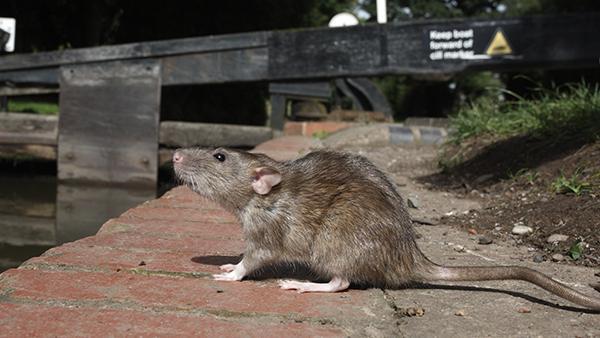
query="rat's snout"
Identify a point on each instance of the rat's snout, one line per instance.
(177, 157)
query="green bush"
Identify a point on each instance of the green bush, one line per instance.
(556, 112)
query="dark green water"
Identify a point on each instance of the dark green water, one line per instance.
(37, 213)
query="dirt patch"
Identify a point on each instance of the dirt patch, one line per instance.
(549, 185)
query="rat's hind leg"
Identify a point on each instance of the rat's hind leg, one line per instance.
(336, 284)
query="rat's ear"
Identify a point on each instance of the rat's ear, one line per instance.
(264, 179)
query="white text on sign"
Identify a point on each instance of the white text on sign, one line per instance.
(451, 44)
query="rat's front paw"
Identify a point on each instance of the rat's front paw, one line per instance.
(229, 276)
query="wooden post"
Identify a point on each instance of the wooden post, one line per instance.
(277, 111)
(281, 91)
(109, 120)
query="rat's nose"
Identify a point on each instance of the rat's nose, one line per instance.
(177, 157)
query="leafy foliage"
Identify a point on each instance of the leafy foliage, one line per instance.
(26, 106)
(560, 112)
(574, 184)
(576, 250)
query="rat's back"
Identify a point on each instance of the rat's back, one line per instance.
(354, 215)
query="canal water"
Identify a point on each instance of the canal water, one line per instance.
(38, 213)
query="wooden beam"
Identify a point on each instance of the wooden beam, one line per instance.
(418, 47)
(16, 91)
(136, 50)
(108, 127)
(216, 67)
(311, 90)
(278, 110)
(434, 47)
(185, 134)
(21, 128)
(47, 76)
(12, 151)
(326, 52)
(36, 135)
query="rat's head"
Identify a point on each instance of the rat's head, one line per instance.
(227, 176)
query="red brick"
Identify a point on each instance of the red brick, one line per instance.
(24, 320)
(180, 214)
(326, 126)
(182, 197)
(157, 227)
(113, 259)
(293, 128)
(183, 193)
(177, 243)
(184, 293)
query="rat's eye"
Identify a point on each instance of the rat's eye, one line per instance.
(220, 157)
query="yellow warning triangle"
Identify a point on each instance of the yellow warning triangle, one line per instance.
(499, 45)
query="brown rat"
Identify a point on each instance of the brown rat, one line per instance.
(336, 213)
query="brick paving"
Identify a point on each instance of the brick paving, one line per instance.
(148, 273)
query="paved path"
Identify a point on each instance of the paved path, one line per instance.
(148, 273)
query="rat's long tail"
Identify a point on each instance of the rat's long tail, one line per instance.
(482, 273)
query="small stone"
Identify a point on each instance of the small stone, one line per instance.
(558, 257)
(524, 310)
(459, 248)
(485, 240)
(521, 230)
(555, 238)
(460, 313)
(473, 231)
(538, 258)
(412, 203)
(413, 311)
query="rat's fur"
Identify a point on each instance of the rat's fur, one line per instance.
(336, 213)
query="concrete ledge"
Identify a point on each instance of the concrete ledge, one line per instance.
(420, 131)
(384, 134)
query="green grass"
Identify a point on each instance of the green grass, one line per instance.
(556, 112)
(575, 184)
(529, 176)
(44, 108)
